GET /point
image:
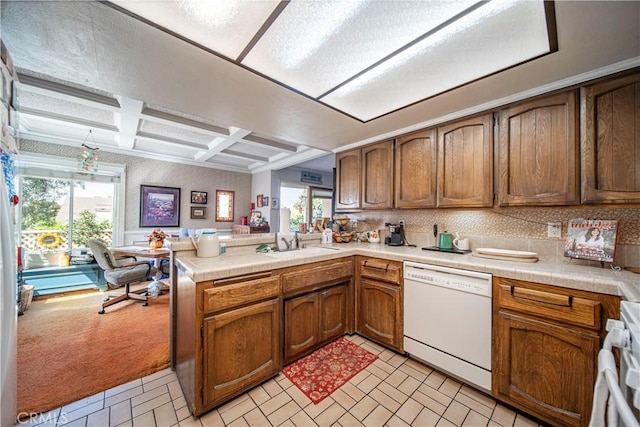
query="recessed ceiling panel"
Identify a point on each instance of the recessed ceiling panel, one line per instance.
(314, 46)
(225, 26)
(175, 132)
(494, 37)
(166, 149)
(66, 108)
(254, 149)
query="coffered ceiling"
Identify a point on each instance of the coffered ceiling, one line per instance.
(278, 83)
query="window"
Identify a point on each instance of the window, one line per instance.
(62, 208)
(306, 203)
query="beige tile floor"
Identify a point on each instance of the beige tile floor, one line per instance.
(392, 391)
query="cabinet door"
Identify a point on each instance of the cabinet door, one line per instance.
(538, 152)
(545, 368)
(301, 325)
(377, 176)
(333, 312)
(379, 312)
(610, 147)
(415, 171)
(465, 163)
(348, 180)
(241, 349)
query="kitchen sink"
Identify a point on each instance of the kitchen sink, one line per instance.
(302, 253)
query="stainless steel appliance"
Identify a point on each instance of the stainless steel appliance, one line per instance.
(447, 320)
(616, 400)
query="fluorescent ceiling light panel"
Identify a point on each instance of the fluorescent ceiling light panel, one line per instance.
(224, 26)
(494, 37)
(314, 46)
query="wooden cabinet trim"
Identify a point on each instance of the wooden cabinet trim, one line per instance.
(384, 270)
(240, 293)
(560, 307)
(308, 279)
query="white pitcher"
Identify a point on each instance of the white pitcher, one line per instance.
(207, 244)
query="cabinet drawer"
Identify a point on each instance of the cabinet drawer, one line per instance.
(314, 276)
(551, 305)
(387, 271)
(240, 293)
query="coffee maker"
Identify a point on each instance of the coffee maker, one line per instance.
(395, 234)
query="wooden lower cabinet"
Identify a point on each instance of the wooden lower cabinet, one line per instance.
(546, 341)
(379, 312)
(547, 368)
(300, 325)
(314, 319)
(379, 303)
(241, 349)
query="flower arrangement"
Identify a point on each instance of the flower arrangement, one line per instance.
(157, 235)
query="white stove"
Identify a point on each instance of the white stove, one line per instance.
(616, 400)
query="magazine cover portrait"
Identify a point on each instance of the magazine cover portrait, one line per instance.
(591, 239)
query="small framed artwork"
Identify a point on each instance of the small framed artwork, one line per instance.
(224, 206)
(275, 203)
(199, 197)
(265, 201)
(198, 213)
(260, 201)
(159, 206)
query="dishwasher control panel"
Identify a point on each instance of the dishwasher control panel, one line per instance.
(462, 280)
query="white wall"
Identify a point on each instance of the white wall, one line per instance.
(261, 184)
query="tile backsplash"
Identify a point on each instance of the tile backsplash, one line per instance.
(509, 228)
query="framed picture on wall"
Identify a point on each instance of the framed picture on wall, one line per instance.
(199, 197)
(198, 213)
(159, 206)
(259, 201)
(275, 203)
(265, 201)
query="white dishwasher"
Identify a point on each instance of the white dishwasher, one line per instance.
(447, 320)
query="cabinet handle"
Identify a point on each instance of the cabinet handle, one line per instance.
(375, 267)
(568, 303)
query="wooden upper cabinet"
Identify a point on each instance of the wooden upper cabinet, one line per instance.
(610, 146)
(538, 152)
(377, 175)
(465, 163)
(415, 171)
(348, 166)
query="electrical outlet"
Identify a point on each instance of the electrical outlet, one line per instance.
(554, 230)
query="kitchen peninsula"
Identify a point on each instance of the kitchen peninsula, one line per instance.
(232, 324)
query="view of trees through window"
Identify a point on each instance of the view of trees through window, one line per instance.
(54, 209)
(306, 203)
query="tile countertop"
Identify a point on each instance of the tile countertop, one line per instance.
(553, 272)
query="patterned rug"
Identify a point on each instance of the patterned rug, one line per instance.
(328, 368)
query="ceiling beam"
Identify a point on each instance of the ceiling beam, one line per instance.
(256, 140)
(219, 144)
(168, 140)
(68, 93)
(128, 120)
(182, 122)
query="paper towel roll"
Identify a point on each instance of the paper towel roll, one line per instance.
(285, 220)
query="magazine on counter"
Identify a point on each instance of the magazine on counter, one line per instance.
(591, 239)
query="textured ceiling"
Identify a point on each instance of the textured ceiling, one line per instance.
(146, 92)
